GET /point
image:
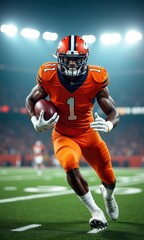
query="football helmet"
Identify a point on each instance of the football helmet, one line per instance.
(38, 143)
(72, 55)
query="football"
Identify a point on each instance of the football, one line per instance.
(47, 106)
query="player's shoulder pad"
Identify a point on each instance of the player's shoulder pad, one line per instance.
(99, 74)
(46, 71)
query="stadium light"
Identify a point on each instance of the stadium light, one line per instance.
(112, 38)
(107, 39)
(10, 29)
(133, 36)
(50, 36)
(89, 38)
(30, 33)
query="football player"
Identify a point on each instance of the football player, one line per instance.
(73, 87)
(38, 154)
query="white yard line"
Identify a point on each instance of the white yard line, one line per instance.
(19, 178)
(134, 180)
(42, 195)
(52, 194)
(29, 197)
(21, 229)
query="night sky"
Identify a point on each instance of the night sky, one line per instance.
(74, 17)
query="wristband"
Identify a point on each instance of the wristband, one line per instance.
(109, 125)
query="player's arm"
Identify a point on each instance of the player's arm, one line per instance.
(39, 124)
(35, 95)
(107, 105)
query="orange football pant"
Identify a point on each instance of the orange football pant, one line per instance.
(69, 152)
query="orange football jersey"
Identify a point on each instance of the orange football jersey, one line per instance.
(74, 103)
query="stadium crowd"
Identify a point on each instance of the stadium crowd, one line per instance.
(17, 136)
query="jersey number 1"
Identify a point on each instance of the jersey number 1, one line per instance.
(71, 104)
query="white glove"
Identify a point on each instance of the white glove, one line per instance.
(101, 125)
(41, 124)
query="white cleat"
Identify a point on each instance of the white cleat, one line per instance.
(112, 209)
(98, 222)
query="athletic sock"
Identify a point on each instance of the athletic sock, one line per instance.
(89, 202)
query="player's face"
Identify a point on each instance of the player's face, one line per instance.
(73, 65)
(73, 62)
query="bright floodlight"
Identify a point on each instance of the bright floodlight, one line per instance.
(133, 36)
(89, 38)
(30, 33)
(112, 38)
(10, 30)
(50, 36)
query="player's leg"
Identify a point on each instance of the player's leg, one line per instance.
(80, 186)
(69, 154)
(39, 161)
(99, 158)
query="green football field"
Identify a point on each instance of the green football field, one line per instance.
(44, 207)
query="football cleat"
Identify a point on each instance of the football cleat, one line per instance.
(98, 222)
(111, 206)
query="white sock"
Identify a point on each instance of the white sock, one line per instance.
(89, 202)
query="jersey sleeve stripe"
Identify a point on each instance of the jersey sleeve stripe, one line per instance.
(105, 83)
(39, 80)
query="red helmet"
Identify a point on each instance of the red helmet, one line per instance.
(72, 55)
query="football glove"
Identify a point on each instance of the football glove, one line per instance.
(100, 124)
(41, 124)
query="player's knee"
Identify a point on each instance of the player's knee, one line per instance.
(70, 161)
(107, 175)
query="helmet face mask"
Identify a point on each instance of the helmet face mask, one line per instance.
(72, 55)
(72, 66)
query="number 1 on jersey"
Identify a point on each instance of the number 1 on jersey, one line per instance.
(71, 104)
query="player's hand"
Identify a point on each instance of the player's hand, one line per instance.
(41, 124)
(100, 124)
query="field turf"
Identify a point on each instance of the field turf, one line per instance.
(44, 207)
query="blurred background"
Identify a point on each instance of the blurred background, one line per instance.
(122, 56)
